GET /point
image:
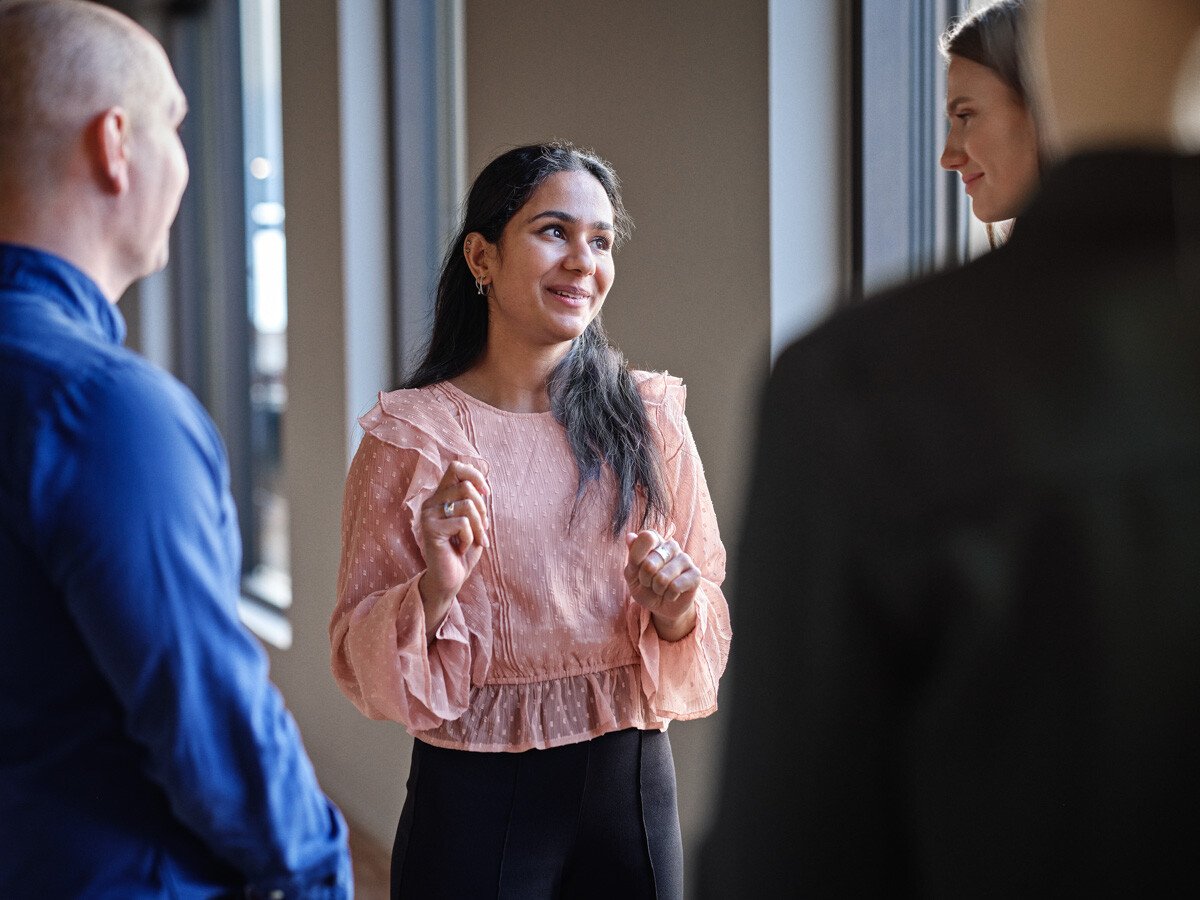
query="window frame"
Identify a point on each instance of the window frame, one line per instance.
(908, 217)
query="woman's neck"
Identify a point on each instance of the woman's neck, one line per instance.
(512, 381)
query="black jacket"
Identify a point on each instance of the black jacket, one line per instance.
(968, 613)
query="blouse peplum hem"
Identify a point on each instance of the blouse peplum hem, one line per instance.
(511, 718)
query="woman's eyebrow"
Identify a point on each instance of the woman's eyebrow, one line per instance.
(570, 219)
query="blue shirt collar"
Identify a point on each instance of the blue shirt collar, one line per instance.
(76, 295)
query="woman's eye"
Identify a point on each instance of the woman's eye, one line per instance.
(601, 243)
(554, 231)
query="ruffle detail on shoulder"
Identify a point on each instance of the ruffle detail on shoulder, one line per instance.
(660, 387)
(543, 714)
(420, 419)
(665, 396)
(679, 678)
(423, 422)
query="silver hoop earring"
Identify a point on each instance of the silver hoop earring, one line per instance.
(480, 288)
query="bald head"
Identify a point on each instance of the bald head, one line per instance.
(1111, 73)
(91, 165)
(65, 62)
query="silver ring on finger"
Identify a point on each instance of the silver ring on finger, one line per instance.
(663, 551)
(448, 509)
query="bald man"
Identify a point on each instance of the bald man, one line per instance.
(969, 582)
(143, 752)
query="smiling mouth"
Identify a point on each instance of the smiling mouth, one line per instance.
(573, 297)
(969, 180)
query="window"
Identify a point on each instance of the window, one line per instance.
(429, 158)
(266, 555)
(217, 317)
(857, 128)
(908, 216)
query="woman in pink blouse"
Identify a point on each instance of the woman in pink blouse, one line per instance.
(531, 569)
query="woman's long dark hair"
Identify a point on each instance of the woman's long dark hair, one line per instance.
(592, 393)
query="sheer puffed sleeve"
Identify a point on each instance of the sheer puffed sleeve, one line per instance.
(680, 678)
(381, 659)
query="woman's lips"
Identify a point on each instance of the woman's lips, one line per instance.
(969, 181)
(570, 296)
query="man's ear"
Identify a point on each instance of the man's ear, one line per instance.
(109, 145)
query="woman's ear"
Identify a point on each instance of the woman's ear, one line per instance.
(480, 254)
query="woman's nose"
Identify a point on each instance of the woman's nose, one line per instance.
(580, 258)
(953, 156)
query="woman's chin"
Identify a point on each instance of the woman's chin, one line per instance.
(567, 328)
(991, 217)
(990, 212)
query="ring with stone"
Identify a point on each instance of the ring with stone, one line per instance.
(664, 552)
(448, 509)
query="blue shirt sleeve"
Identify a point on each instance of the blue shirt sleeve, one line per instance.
(139, 531)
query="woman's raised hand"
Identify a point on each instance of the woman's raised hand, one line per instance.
(663, 579)
(454, 524)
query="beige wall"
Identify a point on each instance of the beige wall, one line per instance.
(674, 94)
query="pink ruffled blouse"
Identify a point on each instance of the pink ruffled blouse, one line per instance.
(543, 646)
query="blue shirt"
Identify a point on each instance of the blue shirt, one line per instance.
(143, 751)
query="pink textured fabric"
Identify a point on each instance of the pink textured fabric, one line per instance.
(543, 645)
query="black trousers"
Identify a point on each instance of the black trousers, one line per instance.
(594, 819)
